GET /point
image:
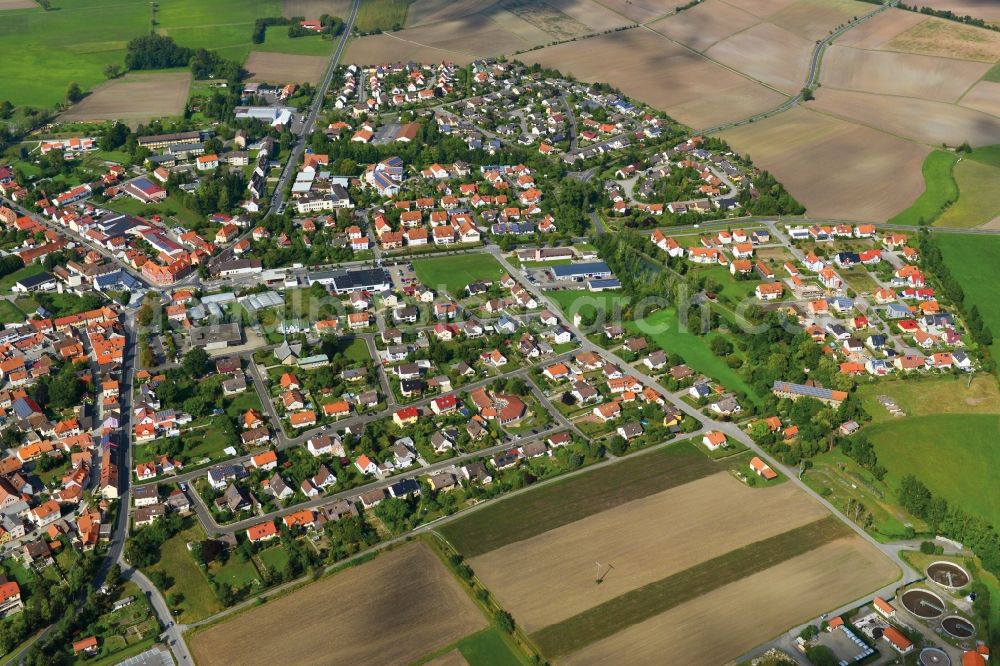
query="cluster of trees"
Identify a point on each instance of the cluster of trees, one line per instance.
(951, 521)
(59, 390)
(71, 605)
(220, 191)
(143, 547)
(952, 16)
(155, 51)
(769, 197)
(860, 450)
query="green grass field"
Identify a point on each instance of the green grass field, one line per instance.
(45, 51)
(973, 262)
(662, 327)
(532, 513)
(955, 455)
(169, 207)
(940, 188)
(489, 648)
(10, 313)
(979, 200)
(612, 616)
(993, 74)
(278, 41)
(381, 15)
(455, 272)
(199, 600)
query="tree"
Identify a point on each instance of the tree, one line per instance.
(504, 620)
(6, 110)
(75, 93)
(195, 363)
(113, 71)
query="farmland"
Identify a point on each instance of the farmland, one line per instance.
(635, 606)
(934, 36)
(662, 73)
(809, 584)
(562, 502)
(984, 9)
(549, 578)
(454, 273)
(940, 448)
(855, 159)
(406, 589)
(940, 190)
(280, 67)
(136, 97)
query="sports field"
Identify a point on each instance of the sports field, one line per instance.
(392, 610)
(940, 190)
(568, 500)
(941, 448)
(455, 272)
(550, 577)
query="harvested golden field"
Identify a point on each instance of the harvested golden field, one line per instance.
(761, 8)
(550, 577)
(876, 31)
(590, 13)
(398, 607)
(984, 96)
(705, 24)
(651, 68)
(641, 11)
(889, 73)
(835, 168)
(988, 10)
(727, 622)
(430, 11)
(393, 48)
(921, 120)
(767, 53)
(285, 68)
(934, 36)
(134, 98)
(814, 19)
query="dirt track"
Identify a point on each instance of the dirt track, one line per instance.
(549, 578)
(731, 620)
(392, 610)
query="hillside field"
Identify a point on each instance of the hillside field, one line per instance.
(973, 262)
(940, 190)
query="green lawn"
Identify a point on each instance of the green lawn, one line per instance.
(616, 614)
(236, 573)
(973, 262)
(455, 272)
(8, 280)
(274, 558)
(663, 328)
(939, 190)
(10, 313)
(532, 513)
(381, 15)
(993, 74)
(199, 600)
(169, 207)
(955, 455)
(979, 197)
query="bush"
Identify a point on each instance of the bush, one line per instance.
(927, 547)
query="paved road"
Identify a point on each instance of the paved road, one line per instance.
(292, 161)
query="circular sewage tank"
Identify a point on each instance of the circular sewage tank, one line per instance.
(923, 603)
(948, 574)
(934, 657)
(958, 627)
